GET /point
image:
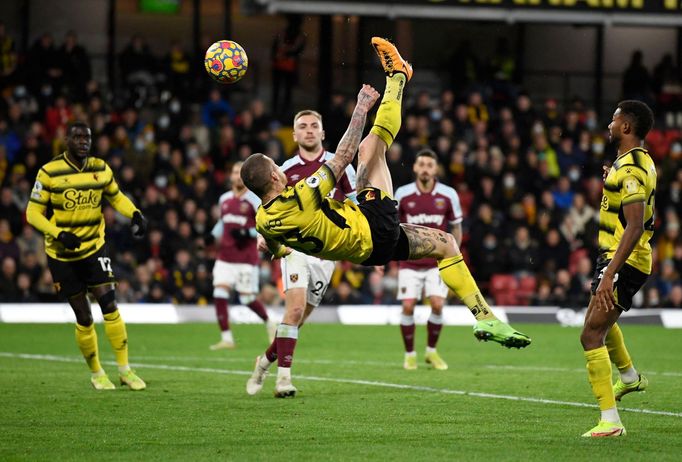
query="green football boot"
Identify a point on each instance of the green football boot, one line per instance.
(497, 331)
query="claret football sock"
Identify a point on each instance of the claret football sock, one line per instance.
(222, 314)
(286, 343)
(433, 327)
(407, 330)
(258, 308)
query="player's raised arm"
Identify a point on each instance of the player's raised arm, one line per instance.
(348, 145)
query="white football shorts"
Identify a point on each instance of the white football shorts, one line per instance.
(305, 271)
(241, 277)
(411, 283)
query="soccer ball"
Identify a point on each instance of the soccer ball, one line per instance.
(226, 61)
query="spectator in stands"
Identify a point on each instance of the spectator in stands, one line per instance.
(8, 245)
(376, 292)
(543, 296)
(522, 255)
(487, 257)
(343, 294)
(554, 254)
(636, 79)
(8, 276)
(137, 63)
(8, 58)
(674, 299)
(76, 65)
(464, 67)
(44, 70)
(580, 288)
(563, 194)
(287, 48)
(177, 67)
(652, 298)
(217, 111)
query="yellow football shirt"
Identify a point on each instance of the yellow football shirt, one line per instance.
(74, 196)
(304, 218)
(632, 178)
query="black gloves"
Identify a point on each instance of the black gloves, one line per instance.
(240, 234)
(138, 225)
(69, 240)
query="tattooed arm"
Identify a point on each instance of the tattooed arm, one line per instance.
(348, 145)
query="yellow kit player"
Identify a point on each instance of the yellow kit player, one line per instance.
(72, 186)
(626, 223)
(302, 217)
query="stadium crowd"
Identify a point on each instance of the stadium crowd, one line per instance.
(528, 174)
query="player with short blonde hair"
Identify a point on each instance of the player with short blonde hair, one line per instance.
(368, 233)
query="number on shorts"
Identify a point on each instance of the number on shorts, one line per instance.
(300, 243)
(319, 285)
(105, 263)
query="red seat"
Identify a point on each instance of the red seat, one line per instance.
(574, 258)
(503, 288)
(526, 290)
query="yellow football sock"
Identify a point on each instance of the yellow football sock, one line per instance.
(617, 350)
(599, 374)
(456, 275)
(387, 123)
(118, 337)
(86, 337)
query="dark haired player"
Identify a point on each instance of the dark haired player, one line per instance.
(430, 203)
(626, 223)
(72, 186)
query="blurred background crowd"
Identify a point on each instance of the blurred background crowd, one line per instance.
(528, 171)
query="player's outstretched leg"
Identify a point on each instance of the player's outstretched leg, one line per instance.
(629, 380)
(372, 167)
(430, 242)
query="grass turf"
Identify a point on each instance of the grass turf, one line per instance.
(355, 401)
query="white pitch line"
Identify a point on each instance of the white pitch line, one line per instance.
(372, 383)
(249, 360)
(566, 369)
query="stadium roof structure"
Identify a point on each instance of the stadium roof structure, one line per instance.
(653, 13)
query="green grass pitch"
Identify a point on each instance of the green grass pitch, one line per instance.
(355, 401)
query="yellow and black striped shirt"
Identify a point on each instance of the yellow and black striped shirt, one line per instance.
(304, 218)
(632, 178)
(74, 196)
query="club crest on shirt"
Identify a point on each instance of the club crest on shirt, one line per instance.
(313, 181)
(293, 277)
(243, 207)
(631, 186)
(295, 177)
(411, 204)
(37, 188)
(440, 203)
